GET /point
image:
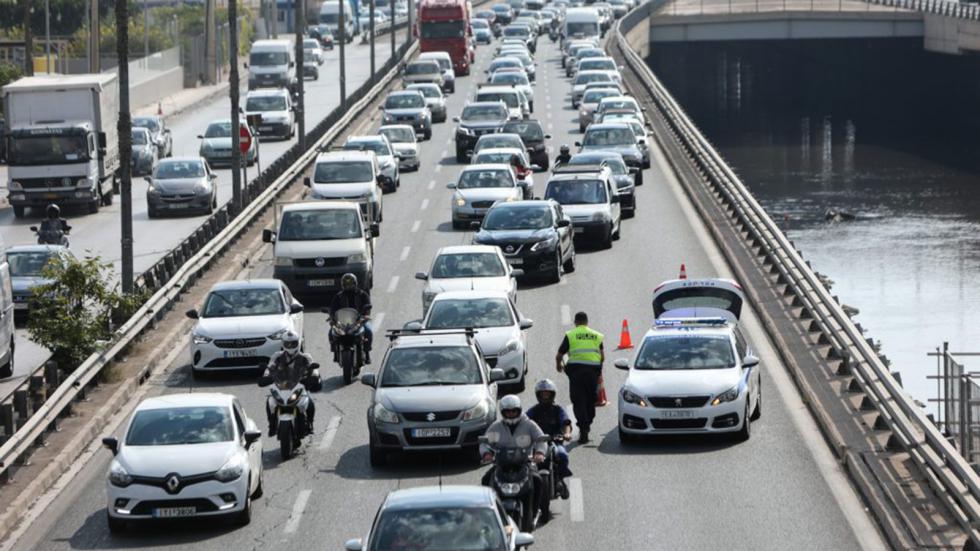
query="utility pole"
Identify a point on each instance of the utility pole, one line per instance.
(210, 55)
(299, 21)
(275, 18)
(125, 126)
(233, 85)
(47, 36)
(146, 29)
(392, 6)
(410, 34)
(371, 31)
(94, 32)
(342, 32)
(28, 38)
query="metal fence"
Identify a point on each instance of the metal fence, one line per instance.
(958, 399)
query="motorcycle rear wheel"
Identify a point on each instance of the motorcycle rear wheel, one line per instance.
(347, 363)
(286, 441)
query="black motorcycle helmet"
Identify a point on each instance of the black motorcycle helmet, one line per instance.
(564, 150)
(348, 282)
(54, 212)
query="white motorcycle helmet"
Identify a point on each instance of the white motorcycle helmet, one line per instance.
(510, 409)
(290, 343)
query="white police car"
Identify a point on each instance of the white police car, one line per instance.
(690, 376)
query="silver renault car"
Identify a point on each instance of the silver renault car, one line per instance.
(434, 392)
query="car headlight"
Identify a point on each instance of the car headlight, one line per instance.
(728, 396)
(15, 186)
(118, 475)
(631, 397)
(201, 188)
(545, 244)
(387, 117)
(151, 190)
(278, 335)
(511, 346)
(356, 258)
(479, 411)
(460, 202)
(600, 217)
(232, 470)
(284, 261)
(464, 130)
(382, 415)
(84, 183)
(200, 339)
(510, 488)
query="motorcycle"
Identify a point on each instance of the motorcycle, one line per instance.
(291, 402)
(513, 482)
(553, 34)
(51, 237)
(347, 331)
(554, 486)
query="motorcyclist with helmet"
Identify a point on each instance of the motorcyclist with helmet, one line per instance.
(564, 155)
(54, 229)
(352, 296)
(290, 364)
(515, 430)
(554, 422)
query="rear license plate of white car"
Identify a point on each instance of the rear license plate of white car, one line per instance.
(679, 414)
(174, 512)
(319, 283)
(441, 432)
(249, 352)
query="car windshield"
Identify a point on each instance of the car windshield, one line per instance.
(180, 426)
(597, 65)
(311, 45)
(609, 136)
(229, 303)
(686, 352)
(512, 77)
(473, 179)
(595, 96)
(178, 169)
(320, 225)
(453, 265)
(379, 147)
(431, 365)
(521, 218)
(494, 157)
(399, 135)
(443, 29)
(584, 28)
(428, 91)
(502, 63)
(434, 529)
(615, 165)
(501, 9)
(28, 264)
(589, 52)
(259, 59)
(528, 131)
(484, 112)
(218, 130)
(404, 101)
(493, 141)
(519, 32)
(146, 122)
(509, 98)
(265, 103)
(479, 23)
(308, 56)
(343, 172)
(140, 137)
(576, 192)
(476, 313)
(584, 78)
(610, 104)
(422, 68)
(35, 149)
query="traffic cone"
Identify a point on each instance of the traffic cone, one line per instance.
(160, 108)
(624, 337)
(683, 274)
(601, 395)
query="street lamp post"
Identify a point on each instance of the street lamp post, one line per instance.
(392, 5)
(371, 30)
(125, 145)
(47, 36)
(233, 85)
(342, 32)
(300, 24)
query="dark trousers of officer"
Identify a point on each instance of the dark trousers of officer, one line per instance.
(583, 386)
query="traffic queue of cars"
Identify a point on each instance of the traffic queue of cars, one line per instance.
(437, 384)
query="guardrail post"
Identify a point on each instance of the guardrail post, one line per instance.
(964, 408)
(7, 419)
(37, 394)
(20, 405)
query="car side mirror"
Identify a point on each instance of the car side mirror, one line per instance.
(212, 177)
(641, 141)
(516, 272)
(295, 308)
(251, 437)
(455, 119)
(381, 108)
(192, 313)
(265, 380)
(633, 170)
(750, 361)
(451, 185)
(292, 64)
(475, 225)
(268, 236)
(614, 199)
(535, 168)
(200, 137)
(111, 444)
(369, 379)
(497, 374)
(622, 363)
(526, 324)
(101, 140)
(564, 223)
(547, 136)
(415, 326)
(33, 228)
(375, 229)
(421, 276)
(245, 65)
(578, 144)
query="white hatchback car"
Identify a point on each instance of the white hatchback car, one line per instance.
(242, 324)
(468, 267)
(184, 456)
(690, 375)
(499, 329)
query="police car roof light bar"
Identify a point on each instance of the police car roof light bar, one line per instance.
(689, 322)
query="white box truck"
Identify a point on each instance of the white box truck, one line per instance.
(62, 140)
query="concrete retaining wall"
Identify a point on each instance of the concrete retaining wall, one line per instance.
(154, 89)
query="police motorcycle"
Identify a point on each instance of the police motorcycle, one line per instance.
(347, 334)
(513, 482)
(292, 402)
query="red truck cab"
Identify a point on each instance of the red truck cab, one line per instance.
(444, 26)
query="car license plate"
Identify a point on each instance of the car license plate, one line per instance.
(579, 229)
(678, 414)
(174, 512)
(441, 432)
(515, 261)
(319, 283)
(50, 195)
(178, 205)
(246, 353)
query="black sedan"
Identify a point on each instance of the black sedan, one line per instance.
(535, 236)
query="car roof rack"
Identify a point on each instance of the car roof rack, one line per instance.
(675, 323)
(578, 168)
(394, 334)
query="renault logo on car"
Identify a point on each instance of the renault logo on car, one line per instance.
(173, 483)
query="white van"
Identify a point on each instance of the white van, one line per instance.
(581, 23)
(330, 16)
(272, 64)
(349, 175)
(315, 243)
(6, 318)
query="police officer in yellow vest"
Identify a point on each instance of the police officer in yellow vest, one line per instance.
(585, 357)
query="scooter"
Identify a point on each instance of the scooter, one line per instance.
(291, 403)
(347, 331)
(513, 482)
(51, 237)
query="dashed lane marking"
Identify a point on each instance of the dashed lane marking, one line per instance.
(330, 433)
(379, 321)
(425, 204)
(297, 513)
(576, 505)
(405, 253)
(416, 225)
(566, 315)
(432, 184)
(393, 284)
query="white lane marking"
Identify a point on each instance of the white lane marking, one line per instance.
(425, 204)
(438, 168)
(432, 184)
(444, 154)
(416, 225)
(297, 514)
(330, 433)
(575, 503)
(379, 321)
(405, 252)
(393, 284)
(566, 315)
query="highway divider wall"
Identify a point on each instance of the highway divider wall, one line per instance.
(839, 341)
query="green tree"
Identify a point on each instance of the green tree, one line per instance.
(77, 310)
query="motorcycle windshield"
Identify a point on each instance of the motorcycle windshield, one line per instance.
(346, 317)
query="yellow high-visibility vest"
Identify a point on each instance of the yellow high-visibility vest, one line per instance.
(584, 346)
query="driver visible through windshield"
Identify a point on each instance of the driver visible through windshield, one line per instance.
(431, 366)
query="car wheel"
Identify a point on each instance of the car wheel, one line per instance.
(198, 374)
(758, 405)
(629, 213)
(555, 276)
(116, 525)
(746, 431)
(18, 211)
(626, 438)
(244, 518)
(607, 239)
(460, 158)
(428, 134)
(93, 205)
(457, 225)
(619, 230)
(570, 263)
(378, 457)
(258, 489)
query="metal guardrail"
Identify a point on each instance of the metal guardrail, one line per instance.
(948, 8)
(36, 408)
(948, 472)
